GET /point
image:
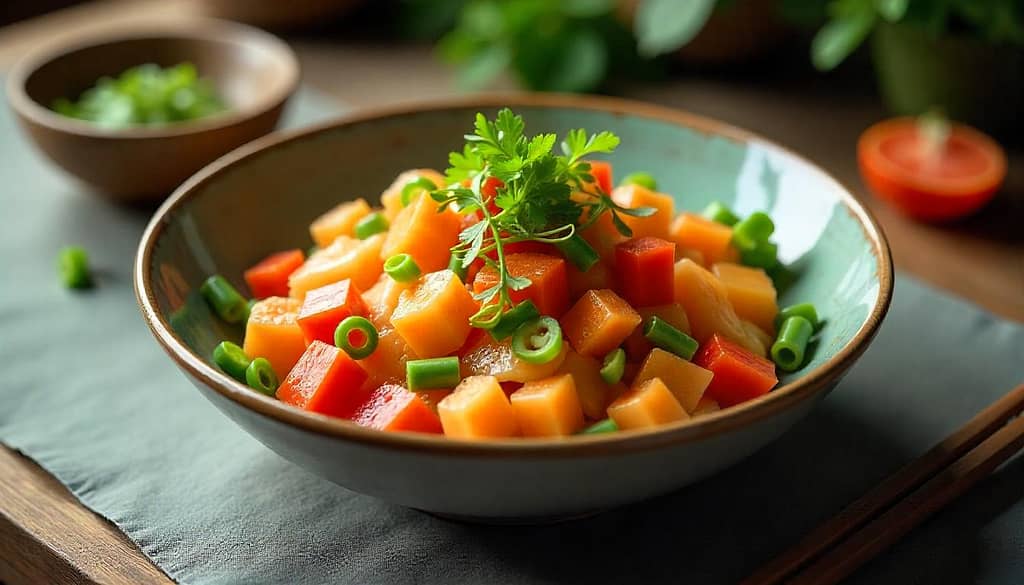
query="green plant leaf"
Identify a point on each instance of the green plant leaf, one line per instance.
(587, 8)
(580, 64)
(892, 10)
(483, 67)
(662, 26)
(839, 38)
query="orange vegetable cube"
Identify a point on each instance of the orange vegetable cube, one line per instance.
(433, 397)
(478, 409)
(599, 322)
(548, 408)
(391, 198)
(269, 278)
(637, 346)
(393, 408)
(602, 172)
(657, 224)
(603, 237)
(685, 380)
(708, 308)
(751, 293)
(599, 276)
(488, 357)
(549, 290)
(273, 332)
(593, 392)
(646, 405)
(433, 317)
(423, 233)
(707, 405)
(644, 271)
(346, 257)
(712, 239)
(340, 221)
(325, 380)
(325, 307)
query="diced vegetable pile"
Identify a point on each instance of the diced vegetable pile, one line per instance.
(519, 294)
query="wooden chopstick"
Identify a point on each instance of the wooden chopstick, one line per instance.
(947, 470)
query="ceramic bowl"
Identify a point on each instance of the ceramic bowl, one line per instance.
(263, 196)
(253, 71)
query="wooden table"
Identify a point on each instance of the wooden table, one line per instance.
(46, 536)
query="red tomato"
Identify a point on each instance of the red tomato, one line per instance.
(931, 182)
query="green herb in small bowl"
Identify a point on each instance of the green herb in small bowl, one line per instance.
(145, 95)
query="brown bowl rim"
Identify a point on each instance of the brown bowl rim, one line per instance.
(195, 28)
(705, 427)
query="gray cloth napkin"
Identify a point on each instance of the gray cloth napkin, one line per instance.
(87, 393)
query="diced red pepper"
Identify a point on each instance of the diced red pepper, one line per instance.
(645, 271)
(602, 173)
(393, 408)
(269, 277)
(740, 375)
(325, 380)
(325, 307)
(549, 290)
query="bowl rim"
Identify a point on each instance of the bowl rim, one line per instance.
(705, 427)
(192, 28)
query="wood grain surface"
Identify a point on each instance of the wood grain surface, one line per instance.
(46, 536)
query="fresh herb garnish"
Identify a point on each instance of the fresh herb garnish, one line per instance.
(541, 197)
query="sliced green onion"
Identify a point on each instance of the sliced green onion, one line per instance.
(614, 366)
(413, 187)
(372, 224)
(782, 277)
(455, 265)
(805, 310)
(717, 212)
(231, 359)
(760, 255)
(73, 262)
(604, 426)
(513, 318)
(662, 334)
(579, 252)
(402, 268)
(432, 373)
(643, 179)
(224, 299)
(791, 344)
(260, 376)
(312, 250)
(362, 330)
(756, 227)
(538, 341)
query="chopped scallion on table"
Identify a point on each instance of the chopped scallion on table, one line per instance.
(73, 262)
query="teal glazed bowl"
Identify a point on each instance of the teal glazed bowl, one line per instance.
(261, 198)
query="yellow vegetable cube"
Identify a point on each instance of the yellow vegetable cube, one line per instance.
(706, 406)
(708, 308)
(751, 293)
(548, 408)
(593, 392)
(488, 357)
(346, 257)
(339, 221)
(433, 317)
(647, 405)
(391, 198)
(273, 332)
(477, 409)
(658, 223)
(686, 380)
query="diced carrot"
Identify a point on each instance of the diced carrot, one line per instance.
(644, 270)
(325, 307)
(602, 173)
(594, 393)
(603, 236)
(387, 363)
(393, 408)
(269, 277)
(478, 409)
(707, 306)
(686, 380)
(637, 346)
(391, 198)
(340, 221)
(273, 332)
(549, 288)
(345, 258)
(496, 358)
(712, 239)
(751, 293)
(657, 224)
(599, 276)
(548, 408)
(325, 380)
(646, 405)
(705, 406)
(740, 375)
(424, 233)
(433, 397)
(433, 317)
(599, 322)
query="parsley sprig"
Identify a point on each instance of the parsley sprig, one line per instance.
(535, 201)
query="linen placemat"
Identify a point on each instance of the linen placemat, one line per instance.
(87, 393)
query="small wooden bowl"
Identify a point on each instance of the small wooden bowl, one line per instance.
(253, 71)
